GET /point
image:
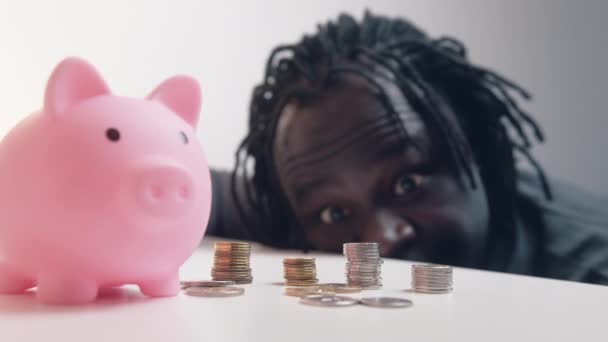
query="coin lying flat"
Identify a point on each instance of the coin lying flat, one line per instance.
(339, 288)
(227, 291)
(328, 300)
(387, 302)
(205, 283)
(295, 291)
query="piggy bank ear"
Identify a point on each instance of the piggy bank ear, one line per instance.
(182, 95)
(72, 81)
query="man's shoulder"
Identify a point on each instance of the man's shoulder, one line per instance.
(573, 229)
(569, 202)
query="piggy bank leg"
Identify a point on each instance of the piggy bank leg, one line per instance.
(12, 282)
(57, 289)
(161, 287)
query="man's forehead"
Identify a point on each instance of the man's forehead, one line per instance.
(353, 112)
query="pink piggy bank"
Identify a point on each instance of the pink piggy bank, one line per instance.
(100, 190)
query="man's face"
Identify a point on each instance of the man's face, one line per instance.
(349, 177)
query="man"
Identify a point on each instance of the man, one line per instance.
(372, 131)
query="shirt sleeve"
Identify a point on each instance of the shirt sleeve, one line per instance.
(573, 231)
(225, 220)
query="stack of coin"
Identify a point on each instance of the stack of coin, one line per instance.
(300, 271)
(432, 278)
(363, 265)
(231, 262)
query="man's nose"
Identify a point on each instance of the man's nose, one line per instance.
(388, 229)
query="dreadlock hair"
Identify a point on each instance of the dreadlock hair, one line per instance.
(494, 128)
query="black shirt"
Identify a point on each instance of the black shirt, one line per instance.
(563, 238)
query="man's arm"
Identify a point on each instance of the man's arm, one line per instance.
(225, 220)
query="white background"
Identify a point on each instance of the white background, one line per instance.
(557, 49)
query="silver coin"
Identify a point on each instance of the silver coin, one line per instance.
(420, 290)
(328, 300)
(360, 277)
(359, 282)
(356, 276)
(363, 257)
(339, 288)
(432, 275)
(387, 302)
(364, 266)
(360, 259)
(364, 273)
(228, 291)
(362, 245)
(431, 267)
(435, 282)
(432, 286)
(368, 255)
(431, 271)
(364, 282)
(369, 249)
(364, 261)
(361, 252)
(427, 288)
(436, 272)
(429, 281)
(355, 252)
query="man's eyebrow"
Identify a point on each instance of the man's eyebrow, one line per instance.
(305, 189)
(392, 150)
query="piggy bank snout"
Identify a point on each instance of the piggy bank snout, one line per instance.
(164, 189)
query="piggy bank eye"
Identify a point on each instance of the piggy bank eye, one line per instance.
(113, 134)
(184, 137)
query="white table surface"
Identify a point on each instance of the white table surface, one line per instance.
(485, 306)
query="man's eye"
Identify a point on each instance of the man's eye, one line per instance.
(333, 215)
(407, 184)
